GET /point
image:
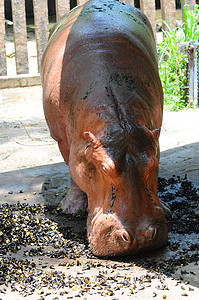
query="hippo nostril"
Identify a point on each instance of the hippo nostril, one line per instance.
(151, 233)
(125, 236)
(154, 233)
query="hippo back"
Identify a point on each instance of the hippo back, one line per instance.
(105, 20)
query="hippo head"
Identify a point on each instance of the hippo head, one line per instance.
(125, 215)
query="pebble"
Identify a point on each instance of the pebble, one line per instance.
(33, 226)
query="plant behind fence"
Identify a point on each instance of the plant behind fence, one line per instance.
(173, 64)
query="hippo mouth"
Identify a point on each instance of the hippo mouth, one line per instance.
(108, 237)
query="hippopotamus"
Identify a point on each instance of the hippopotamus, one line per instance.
(103, 103)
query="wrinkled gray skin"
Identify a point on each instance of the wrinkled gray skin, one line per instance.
(103, 103)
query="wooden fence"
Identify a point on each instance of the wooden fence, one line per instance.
(41, 23)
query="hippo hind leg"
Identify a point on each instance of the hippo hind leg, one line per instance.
(75, 200)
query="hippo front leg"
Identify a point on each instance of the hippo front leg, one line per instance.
(75, 200)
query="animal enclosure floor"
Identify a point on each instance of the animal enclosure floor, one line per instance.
(33, 173)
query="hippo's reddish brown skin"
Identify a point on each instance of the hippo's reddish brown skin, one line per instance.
(103, 103)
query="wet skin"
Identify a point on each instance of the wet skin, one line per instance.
(103, 103)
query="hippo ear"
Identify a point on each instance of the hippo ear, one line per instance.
(153, 133)
(156, 133)
(99, 155)
(95, 143)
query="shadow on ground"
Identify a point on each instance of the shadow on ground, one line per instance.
(180, 257)
(47, 185)
(180, 161)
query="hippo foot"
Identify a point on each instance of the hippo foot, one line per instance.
(166, 208)
(75, 200)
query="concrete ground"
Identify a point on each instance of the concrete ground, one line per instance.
(29, 158)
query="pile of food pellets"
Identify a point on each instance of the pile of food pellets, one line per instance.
(43, 234)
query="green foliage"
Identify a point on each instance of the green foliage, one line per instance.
(172, 64)
(172, 67)
(191, 31)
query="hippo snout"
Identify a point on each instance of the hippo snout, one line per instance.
(109, 237)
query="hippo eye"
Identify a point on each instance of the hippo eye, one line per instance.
(104, 169)
(87, 146)
(152, 164)
(150, 168)
(108, 169)
(129, 159)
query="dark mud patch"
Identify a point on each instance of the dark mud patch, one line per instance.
(183, 225)
(35, 240)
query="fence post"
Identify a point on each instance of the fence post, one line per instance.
(191, 3)
(80, 2)
(62, 7)
(148, 8)
(20, 36)
(41, 27)
(3, 67)
(193, 78)
(168, 9)
(131, 2)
